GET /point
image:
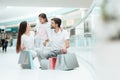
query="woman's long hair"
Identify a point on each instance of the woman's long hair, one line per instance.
(22, 29)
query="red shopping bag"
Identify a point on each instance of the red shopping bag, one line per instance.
(52, 62)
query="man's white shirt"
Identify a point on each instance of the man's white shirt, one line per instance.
(57, 40)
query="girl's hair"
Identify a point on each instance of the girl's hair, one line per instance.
(22, 29)
(43, 15)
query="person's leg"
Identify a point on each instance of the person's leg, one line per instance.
(5, 48)
(2, 40)
(38, 43)
(43, 57)
(53, 54)
(48, 55)
(42, 61)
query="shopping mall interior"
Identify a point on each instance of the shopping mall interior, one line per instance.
(92, 37)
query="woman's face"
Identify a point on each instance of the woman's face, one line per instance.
(42, 20)
(28, 27)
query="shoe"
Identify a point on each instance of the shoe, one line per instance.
(43, 68)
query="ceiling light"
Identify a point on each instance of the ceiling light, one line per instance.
(9, 7)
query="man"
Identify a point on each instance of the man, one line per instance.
(3, 37)
(59, 41)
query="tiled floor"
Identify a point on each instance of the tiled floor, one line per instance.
(10, 70)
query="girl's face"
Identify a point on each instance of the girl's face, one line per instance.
(28, 27)
(42, 20)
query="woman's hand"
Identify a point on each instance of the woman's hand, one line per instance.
(23, 47)
(44, 43)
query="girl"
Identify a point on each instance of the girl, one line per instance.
(42, 31)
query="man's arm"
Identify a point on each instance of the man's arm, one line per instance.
(64, 49)
(67, 43)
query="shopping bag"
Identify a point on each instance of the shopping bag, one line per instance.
(66, 62)
(26, 60)
(44, 64)
(23, 58)
(52, 63)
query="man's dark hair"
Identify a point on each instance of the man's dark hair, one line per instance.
(57, 21)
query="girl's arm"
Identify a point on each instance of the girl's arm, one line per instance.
(45, 43)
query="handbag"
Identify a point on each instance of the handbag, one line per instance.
(66, 62)
(26, 60)
(52, 63)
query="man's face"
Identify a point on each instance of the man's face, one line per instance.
(53, 25)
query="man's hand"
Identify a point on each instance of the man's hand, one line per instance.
(64, 50)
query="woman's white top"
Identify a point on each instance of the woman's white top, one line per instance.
(28, 41)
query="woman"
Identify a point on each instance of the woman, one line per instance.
(25, 40)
